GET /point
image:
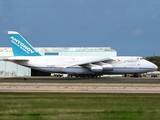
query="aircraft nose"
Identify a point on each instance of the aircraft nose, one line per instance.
(152, 66)
(149, 66)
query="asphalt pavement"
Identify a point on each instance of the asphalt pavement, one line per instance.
(80, 80)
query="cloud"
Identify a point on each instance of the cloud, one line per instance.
(138, 31)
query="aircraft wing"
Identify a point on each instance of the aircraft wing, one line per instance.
(87, 62)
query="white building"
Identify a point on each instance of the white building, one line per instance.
(12, 69)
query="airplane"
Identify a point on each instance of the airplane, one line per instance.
(78, 66)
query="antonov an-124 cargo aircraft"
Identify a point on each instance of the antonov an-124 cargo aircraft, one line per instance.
(78, 66)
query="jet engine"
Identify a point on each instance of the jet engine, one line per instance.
(107, 67)
(100, 67)
(96, 68)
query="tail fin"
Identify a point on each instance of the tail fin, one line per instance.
(20, 46)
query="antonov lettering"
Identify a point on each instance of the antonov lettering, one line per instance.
(21, 45)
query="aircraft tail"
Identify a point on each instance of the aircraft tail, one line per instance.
(20, 46)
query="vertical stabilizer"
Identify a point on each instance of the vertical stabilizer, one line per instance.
(20, 46)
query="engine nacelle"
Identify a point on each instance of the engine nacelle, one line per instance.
(97, 68)
(107, 67)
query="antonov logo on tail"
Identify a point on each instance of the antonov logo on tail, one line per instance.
(21, 45)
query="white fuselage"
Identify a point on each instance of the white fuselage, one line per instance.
(118, 65)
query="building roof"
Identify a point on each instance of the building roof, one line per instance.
(65, 49)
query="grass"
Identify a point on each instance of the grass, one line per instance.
(68, 106)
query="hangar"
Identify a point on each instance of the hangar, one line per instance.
(12, 69)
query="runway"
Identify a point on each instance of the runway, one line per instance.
(48, 79)
(80, 80)
(80, 85)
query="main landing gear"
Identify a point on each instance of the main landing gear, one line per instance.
(85, 75)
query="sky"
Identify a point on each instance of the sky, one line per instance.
(131, 27)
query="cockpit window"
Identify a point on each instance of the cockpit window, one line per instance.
(140, 58)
